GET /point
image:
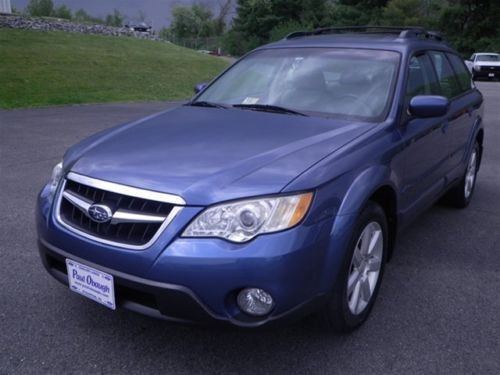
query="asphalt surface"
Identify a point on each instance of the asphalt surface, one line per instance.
(438, 310)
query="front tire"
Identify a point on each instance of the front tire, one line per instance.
(358, 283)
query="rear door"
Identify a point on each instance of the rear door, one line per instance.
(460, 135)
(456, 85)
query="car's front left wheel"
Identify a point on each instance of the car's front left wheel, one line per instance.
(357, 286)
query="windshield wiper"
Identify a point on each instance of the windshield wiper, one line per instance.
(203, 103)
(269, 108)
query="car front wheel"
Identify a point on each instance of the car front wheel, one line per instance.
(356, 289)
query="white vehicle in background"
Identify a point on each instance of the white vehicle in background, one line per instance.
(484, 65)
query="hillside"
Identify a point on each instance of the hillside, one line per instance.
(157, 12)
(48, 68)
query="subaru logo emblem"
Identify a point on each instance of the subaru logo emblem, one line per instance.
(100, 213)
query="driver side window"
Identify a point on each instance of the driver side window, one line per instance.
(421, 78)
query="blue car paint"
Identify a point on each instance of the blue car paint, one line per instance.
(232, 154)
(209, 155)
(429, 106)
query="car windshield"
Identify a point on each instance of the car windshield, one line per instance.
(488, 58)
(333, 82)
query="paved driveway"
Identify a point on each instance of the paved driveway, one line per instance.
(438, 309)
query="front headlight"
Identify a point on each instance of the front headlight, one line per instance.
(243, 220)
(57, 173)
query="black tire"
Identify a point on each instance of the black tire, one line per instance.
(337, 314)
(457, 196)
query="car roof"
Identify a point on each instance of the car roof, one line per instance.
(485, 53)
(380, 38)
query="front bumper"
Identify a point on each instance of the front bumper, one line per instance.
(486, 73)
(170, 302)
(197, 280)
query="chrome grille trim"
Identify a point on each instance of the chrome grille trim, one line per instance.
(127, 190)
(120, 216)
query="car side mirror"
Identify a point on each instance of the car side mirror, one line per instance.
(200, 87)
(424, 106)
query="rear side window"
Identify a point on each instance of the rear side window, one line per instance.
(446, 75)
(421, 78)
(461, 71)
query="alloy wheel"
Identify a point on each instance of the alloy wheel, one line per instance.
(470, 175)
(365, 267)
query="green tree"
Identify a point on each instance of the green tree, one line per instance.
(238, 44)
(40, 8)
(192, 22)
(286, 28)
(469, 25)
(472, 25)
(115, 19)
(165, 33)
(355, 12)
(62, 11)
(256, 19)
(348, 15)
(225, 7)
(366, 4)
(82, 16)
(412, 13)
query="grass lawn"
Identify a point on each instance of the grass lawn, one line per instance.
(46, 68)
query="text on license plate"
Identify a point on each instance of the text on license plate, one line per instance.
(91, 283)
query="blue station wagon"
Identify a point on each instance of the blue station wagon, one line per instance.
(277, 191)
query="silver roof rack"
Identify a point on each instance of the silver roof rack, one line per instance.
(404, 32)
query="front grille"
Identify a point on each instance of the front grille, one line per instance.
(494, 68)
(130, 232)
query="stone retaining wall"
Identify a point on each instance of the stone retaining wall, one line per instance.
(54, 24)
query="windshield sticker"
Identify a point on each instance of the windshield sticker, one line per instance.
(250, 100)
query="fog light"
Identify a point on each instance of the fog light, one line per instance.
(255, 301)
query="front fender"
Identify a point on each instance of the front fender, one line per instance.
(476, 129)
(364, 186)
(360, 190)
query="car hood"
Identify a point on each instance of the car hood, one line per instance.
(487, 63)
(208, 155)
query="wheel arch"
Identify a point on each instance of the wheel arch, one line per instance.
(386, 197)
(480, 139)
(377, 184)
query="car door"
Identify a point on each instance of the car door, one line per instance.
(425, 153)
(457, 89)
(466, 103)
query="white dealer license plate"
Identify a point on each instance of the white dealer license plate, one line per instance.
(491, 74)
(91, 283)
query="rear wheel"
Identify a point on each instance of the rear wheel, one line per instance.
(359, 280)
(461, 195)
